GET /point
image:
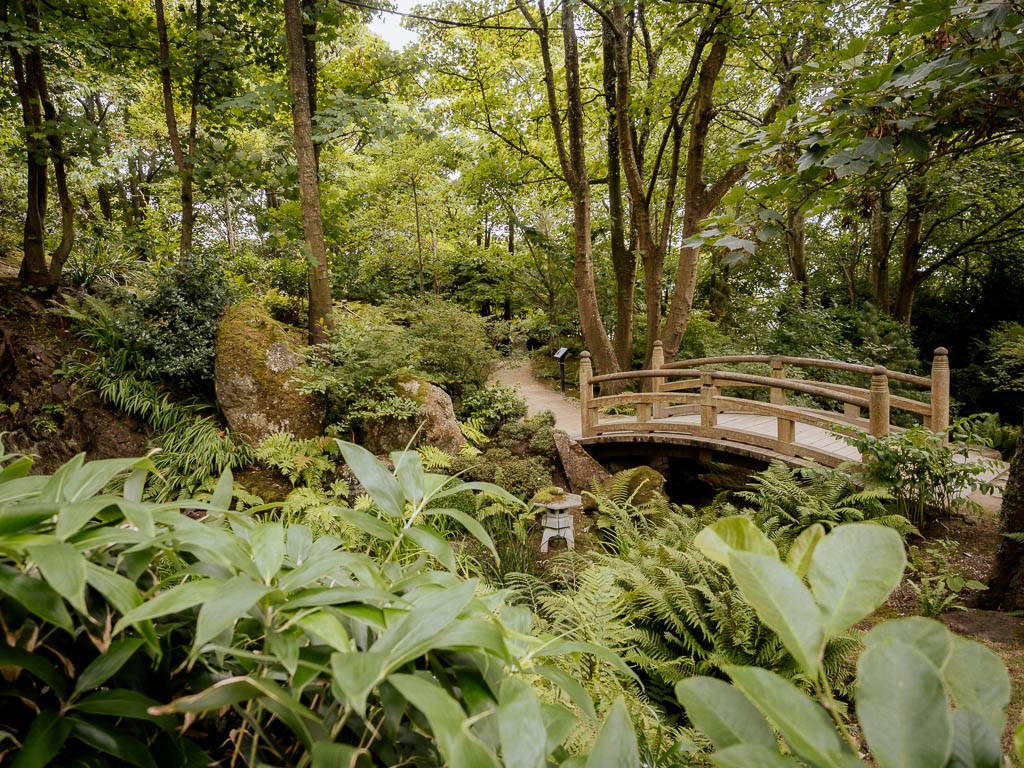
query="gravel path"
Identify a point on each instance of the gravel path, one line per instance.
(540, 396)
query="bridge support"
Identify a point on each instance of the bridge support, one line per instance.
(940, 391)
(777, 396)
(586, 372)
(708, 412)
(879, 402)
(657, 363)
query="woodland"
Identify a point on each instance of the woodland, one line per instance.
(277, 298)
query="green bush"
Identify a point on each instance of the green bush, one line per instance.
(1004, 364)
(495, 406)
(173, 326)
(140, 635)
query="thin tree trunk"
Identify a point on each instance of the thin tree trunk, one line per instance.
(911, 254)
(229, 225)
(1006, 589)
(880, 235)
(309, 191)
(796, 248)
(419, 239)
(623, 261)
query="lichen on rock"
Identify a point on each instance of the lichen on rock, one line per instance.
(257, 374)
(435, 423)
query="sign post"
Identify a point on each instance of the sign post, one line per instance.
(560, 356)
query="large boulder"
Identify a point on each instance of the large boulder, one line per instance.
(435, 423)
(581, 471)
(256, 372)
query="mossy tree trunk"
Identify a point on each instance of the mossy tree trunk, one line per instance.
(1006, 590)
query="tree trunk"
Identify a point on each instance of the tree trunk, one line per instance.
(1006, 589)
(796, 251)
(419, 238)
(229, 225)
(309, 191)
(623, 261)
(911, 254)
(881, 233)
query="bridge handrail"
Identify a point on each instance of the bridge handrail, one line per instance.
(808, 362)
(878, 400)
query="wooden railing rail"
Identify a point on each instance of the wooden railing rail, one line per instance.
(668, 390)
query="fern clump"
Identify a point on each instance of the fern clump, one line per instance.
(305, 462)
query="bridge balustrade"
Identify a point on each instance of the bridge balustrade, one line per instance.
(687, 387)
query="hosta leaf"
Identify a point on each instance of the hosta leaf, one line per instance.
(902, 707)
(975, 743)
(733, 534)
(977, 680)
(804, 725)
(615, 746)
(853, 571)
(723, 714)
(521, 725)
(783, 603)
(802, 550)
(378, 482)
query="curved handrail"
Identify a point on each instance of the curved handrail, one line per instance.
(807, 362)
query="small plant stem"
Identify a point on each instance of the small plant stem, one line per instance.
(827, 700)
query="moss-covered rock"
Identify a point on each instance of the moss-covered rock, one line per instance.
(256, 372)
(435, 424)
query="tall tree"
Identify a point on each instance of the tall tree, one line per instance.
(309, 188)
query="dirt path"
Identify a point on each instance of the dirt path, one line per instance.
(540, 396)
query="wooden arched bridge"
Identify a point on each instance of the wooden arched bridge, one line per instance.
(697, 406)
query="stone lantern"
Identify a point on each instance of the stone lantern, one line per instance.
(557, 520)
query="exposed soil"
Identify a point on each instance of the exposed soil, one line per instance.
(539, 396)
(42, 413)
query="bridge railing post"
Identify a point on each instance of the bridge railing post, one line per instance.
(940, 391)
(587, 420)
(777, 396)
(708, 413)
(657, 363)
(879, 402)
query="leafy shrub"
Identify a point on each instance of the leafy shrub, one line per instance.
(519, 475)
(494, 406)
(905, 677)
(1005, 360)
(173, 326)
(127, 620)
(926, 474)
(451, 345)
(1002, 437)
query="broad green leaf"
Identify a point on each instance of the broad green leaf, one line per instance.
(577, 693)
(1018, 739)
(73, 515)
(559, 722)
(562, 647)
(118, 591)
(365, 522)
(457, 744)
(298, 542)
(751, 756)
(615, 746)
(378, 482)
(112, 741)
(17, 517)
(975, 743)
(36, 596)
(285, 646)
(327, 627)
(783, 603)
(172, 600)
(16, 469)
(853, 571)
(355, 675)
(433, 543)
(902, 707)
(978, 681)
(64, 569)
(521, 726)
(328, 754)
(733, 534)
(804, 725)
(723, 714)
(121, 702)
(46, 736)
(104, 666)
(471, 524)
(136, 484)
(413, 634)
(488, 488)
(916, 144)
(228, 604)
(802, 550)
(222, 493)
(926, 635)
(34, 663)
(409, 473)
(475, 634)
(268, 549)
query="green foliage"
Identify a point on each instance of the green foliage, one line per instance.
(494, 406)
(308, 461)
(937, 583)
(305, 649)
(906, 678)
(172, 325)
(926, 474)
(1002, 437)
(785, 502)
